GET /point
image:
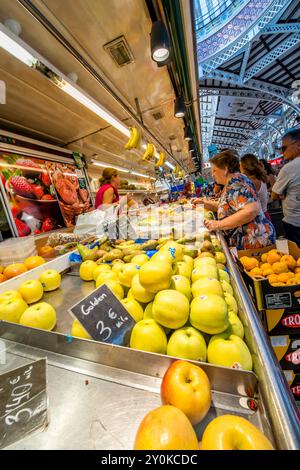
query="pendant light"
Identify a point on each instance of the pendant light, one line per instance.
(160, 42)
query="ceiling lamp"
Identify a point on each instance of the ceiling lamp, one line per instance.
(187, 134)
(179, 108)
(160, 42)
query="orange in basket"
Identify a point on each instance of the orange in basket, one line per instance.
(280, 267)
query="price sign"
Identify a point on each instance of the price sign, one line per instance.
(104, 317)
(23, 402)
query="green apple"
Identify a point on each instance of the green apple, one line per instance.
(10, 294)
(41, 315)
(100, 268)
(138, 292)
(204, 271)
(126, 274)
(207, 285)
(227, 287)
(220, 257)
(113, 285)
(184, 269)
(147, 335)
(31, 291)
(231, 302)
(170, 309)
(51, 279)
(209, 314)
(236, 326)
(230, 351)
(181, 284)
(187, 343)
(134, 309)
(12, 309)
(223, 275)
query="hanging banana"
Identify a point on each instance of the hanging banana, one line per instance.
(149, 152)
(161, 160)
(177, 170)
(134, 140)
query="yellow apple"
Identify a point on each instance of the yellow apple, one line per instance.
(209, 314)
(134, 309)
(155, 276)
(126, 274)
(204, 261)
(10, 294)
(162, 257)
(187, 343)
(100, 268)
(204, 271)
(231, 302)
(223, 275)
(229, 350)
(86, 270)
(147, 335)
(166, 428)
(78, 331)
(220, 257)
(181, 284)
(207, 285)
(231, 432)
(227, 287)
(189, 260)
(184, 269)
(31, 291)
(105, 276)
(41, 315)
(140, 259)
(170, 308)
(12, 309)
(139, 293)
(50, 280)
(187, 387)
(117, 267)
(174, 248)
(148, 311)
(113, 285)
(236, 326)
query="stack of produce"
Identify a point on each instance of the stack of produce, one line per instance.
(183, 306)
(15, 269)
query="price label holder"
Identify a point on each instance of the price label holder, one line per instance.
(23, 402)
(104, 317)
(282, 245)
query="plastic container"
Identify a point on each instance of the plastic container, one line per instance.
(16, 250)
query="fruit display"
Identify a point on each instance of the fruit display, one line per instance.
(186, 400)
(12, 270)
(183, 306)
(279, 268)
(24, 306)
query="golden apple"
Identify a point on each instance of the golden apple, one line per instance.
(170, 308)
(209, 314)
(187, 343)
(147, 335)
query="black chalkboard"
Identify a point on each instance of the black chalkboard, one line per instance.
(104, 317)
(23, 402)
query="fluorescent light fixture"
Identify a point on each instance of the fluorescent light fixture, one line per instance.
(92, 106)
(107, 165)
(140, 174)
(11, 46)
(170, 165)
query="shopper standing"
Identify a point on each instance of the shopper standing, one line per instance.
(270, 173)
(287, 185)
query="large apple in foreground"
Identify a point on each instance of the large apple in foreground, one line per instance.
(187, 343)
(187, 387)
(166, 428)
(50, 280)
(229, 350)
(12, 309)
(229, 432)
(41, 315)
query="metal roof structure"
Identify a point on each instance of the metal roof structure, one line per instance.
(248, 70)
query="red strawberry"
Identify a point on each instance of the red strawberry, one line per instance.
(38, 191)
(46, 179)
(48, 224)
(47, 197)
(22, 228)
(21, 186)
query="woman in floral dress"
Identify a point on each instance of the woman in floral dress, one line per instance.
(240, 216)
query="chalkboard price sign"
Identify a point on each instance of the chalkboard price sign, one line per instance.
(23, 402)
(104, 317)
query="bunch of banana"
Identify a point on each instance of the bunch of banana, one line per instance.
(149, 152)
(161, 160)
(177, 170)
(134, 140)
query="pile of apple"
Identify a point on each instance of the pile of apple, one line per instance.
(23, 306)
(186, 399)
(183, 307)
